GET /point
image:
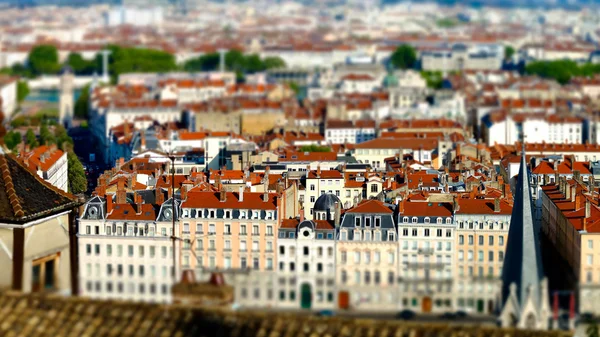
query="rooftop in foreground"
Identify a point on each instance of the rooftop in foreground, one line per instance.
(53, 315)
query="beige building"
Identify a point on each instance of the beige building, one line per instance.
(36, 219)
(235, 233)
(481, 232)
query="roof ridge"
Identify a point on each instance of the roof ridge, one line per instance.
(10, 188)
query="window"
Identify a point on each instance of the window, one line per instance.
(243, 263)
(130, 250)
(255, 230)
(357, 277)
(461, 255)
(367, 257)
(500, 256)
(481, 239)
(390, 257)
(590, 244)
(211, 229)
(470, 255)
(97, 249)
(344, 257)
(377, 257)
(243, 229)
(43, 273)
(255, 246)
(88, 249)
(357, 222)
(344, 277)
(357, 257)
(367, 277)
(490, 240)
(426, 231)
(306, 268)
(199, 228)
(448, 233)
(461, 239)
(590, 259)
(306, 251)
(141, 249)
(377, 222)
(255, 263)
(292, 266)
(501, 240)
(480, 255)
(439, 233)
(470, 239)
(490, 256)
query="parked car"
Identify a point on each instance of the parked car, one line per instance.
(448, 315)
(326, 313)
(461, 314)
(406, 314)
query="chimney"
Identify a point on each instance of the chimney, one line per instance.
(567, 191)
(266, 196)
(301, 214)
(142, 140)
(138, 202)
(455, 204)
(337, 215)
(241, 196)
(578, 201)
(401, 206)
(109, 203)
(131, 181)
(121, 196)
(473, 193)
(184, 190)
(318, 170)
(159, 196)
(573, 192)
(223, 196)
(577, 175)
(588, 209)
(496, 205)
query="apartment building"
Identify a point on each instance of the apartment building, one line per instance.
(49, 163)
(319, 183)
(481, 230)
(306, 260)
(367, 259)
(570, 231)
(350, 132)
(234, 233)
(426, 247)
(125, 245)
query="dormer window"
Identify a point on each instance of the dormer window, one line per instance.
(426, 220)
(414, 219)
(212, 213)
(367, 222)
(357, 222)
(448, 221)
(405, 219)
(390, 236)
(227, 215)
(439, 221)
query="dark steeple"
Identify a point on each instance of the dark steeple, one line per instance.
(523, 263)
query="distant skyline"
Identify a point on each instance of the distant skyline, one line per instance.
(475, 3)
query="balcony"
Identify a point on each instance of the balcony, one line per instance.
(425, 251)
(426, 265)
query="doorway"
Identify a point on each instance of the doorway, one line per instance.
(305, 296)
(426, 304)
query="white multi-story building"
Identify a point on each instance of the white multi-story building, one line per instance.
(350, 132)
(8, 94)
(125, 248)
(50, 163)
(306, 257)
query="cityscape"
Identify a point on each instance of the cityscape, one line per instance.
(299, 168)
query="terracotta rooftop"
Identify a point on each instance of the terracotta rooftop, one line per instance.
(54, 315)
(24, 196)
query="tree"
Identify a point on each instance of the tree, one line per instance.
(77, 177)
(404, 57)
(12, 139)
(43, 59)
(63, 140)
(80, 65)
(205, 62)
(294, 86)
(433, 78)
(22, 90)
(235, 60)
(82, 105)
(46, 137)
(31, 139)
(273, 62)
(314, 148)
(509, 51)
(128, 60)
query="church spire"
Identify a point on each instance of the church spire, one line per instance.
(522, 272)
